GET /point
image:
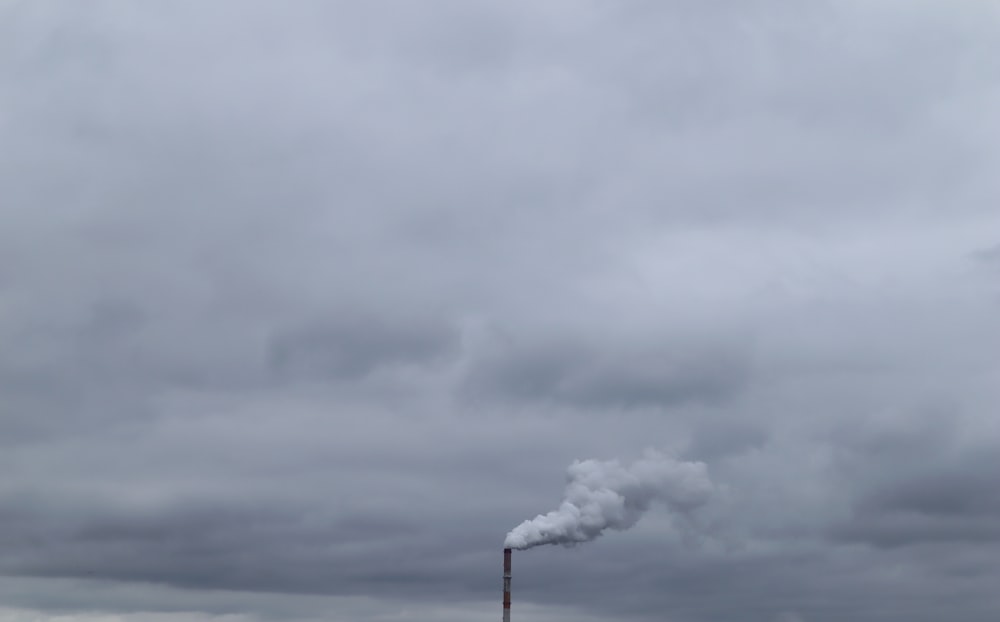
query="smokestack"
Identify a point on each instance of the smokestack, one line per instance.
(506, 585)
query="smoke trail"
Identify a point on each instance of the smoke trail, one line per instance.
(602, 495)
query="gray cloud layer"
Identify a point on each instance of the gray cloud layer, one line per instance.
(303, 306)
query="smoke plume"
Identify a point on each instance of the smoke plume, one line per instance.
(604, 495)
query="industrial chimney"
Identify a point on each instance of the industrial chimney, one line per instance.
(506, 585)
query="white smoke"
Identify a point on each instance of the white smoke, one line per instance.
(607, 495)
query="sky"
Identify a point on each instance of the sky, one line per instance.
(305, 305)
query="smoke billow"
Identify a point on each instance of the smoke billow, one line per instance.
(604, 495)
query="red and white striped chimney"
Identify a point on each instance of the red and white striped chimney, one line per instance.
(506, 585)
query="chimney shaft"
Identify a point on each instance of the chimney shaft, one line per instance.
(506, 585)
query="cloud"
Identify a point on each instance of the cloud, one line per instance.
(304, 305)
(948, 501)
(589, 376)
(354, 347)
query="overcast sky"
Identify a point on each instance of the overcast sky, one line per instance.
(304, 305)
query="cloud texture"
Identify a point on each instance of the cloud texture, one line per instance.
(304, 305)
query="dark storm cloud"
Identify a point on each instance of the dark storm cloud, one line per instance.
(965, 491)
(354, 346)
(937, 500)
(298, 549)
(304, 305)
(588, 376)
(714, 439)
(990, 256)
(222, 547)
